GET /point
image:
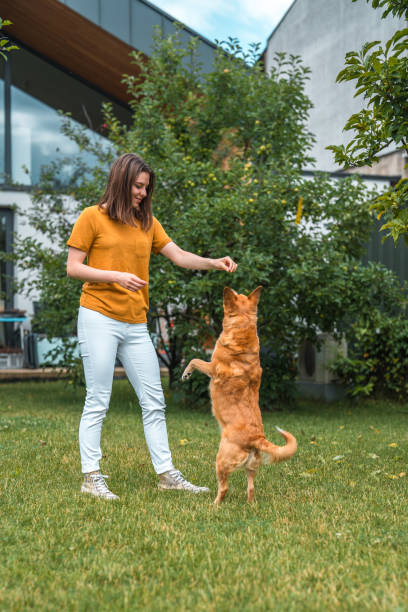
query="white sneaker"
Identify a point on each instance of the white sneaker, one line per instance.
(95, 484)
(173, 479)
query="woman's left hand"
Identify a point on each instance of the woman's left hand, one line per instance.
(225, 263)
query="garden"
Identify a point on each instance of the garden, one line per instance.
(326, 531)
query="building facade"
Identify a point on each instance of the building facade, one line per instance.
(72, 56)
(322, 32)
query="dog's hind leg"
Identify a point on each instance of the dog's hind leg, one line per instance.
(250, 475)
(230, 457)
(197, 364)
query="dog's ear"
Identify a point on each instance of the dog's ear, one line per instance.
(255, 295)
(229, 296)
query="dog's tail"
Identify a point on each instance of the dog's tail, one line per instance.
(271, 453)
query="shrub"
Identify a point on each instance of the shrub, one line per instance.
(377, 362)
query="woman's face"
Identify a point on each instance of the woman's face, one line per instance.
(139, 188)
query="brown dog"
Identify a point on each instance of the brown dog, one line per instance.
(235, 374)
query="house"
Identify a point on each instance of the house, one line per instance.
(322, 32)
(72, 56)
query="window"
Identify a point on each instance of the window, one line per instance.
(6, 268)
(2, 132)
(37, 92)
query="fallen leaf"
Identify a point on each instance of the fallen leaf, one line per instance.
(402, 474)
(341, 427)
(393, 445)
(183, 442)
(391, 476)
(313, 442)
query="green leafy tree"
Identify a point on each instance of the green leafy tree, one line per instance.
(228, 148)
(5, 44)
(380, 73)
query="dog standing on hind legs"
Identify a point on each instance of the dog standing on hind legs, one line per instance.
(235, 373)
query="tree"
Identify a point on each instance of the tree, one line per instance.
(381, 76)
(5, 44)
(228, 148)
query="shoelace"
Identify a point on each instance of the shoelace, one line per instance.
(99, 482)
(178, 477)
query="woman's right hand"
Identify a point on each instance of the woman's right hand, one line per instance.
(130, 281)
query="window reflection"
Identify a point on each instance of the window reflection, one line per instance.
(39, 90)
(36, 138)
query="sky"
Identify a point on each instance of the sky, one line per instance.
(247, 20)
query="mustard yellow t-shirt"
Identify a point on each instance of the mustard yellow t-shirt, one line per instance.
(112, 245)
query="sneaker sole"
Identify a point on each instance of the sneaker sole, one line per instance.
(86, 492)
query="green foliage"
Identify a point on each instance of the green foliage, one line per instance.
(377, 361)
(380, 73)
(5, 45)
(228, 148)
(398, 8)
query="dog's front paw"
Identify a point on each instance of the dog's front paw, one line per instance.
(186, 374)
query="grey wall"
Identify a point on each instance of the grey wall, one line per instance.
(322, 32)
(133, 21)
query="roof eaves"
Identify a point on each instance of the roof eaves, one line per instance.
(173, 19)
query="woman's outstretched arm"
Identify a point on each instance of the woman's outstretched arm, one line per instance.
(184, 259)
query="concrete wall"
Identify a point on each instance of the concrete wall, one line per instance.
(322, 32)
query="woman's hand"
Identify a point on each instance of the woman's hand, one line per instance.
(130, 281)
(225, 263)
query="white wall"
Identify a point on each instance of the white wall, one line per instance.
(322, 32)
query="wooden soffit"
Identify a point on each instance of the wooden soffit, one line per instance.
(68, 39)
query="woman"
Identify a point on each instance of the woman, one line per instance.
(117, 236)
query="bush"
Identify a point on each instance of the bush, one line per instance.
(377, 363)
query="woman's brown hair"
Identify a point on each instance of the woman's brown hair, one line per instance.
(117, 199)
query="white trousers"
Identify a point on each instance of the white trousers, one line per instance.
(100, 340)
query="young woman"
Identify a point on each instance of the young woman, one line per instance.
(116, 237)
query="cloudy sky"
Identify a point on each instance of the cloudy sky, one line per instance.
(248, 20)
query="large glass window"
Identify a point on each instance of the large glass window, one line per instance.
(6, 230)
(38, 91)
(36, 138)
(2, 132)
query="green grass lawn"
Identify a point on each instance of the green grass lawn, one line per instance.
(327, 529)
